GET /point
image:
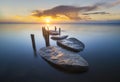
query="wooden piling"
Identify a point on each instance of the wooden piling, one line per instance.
(55, 28)
(33, 42)
(59, 31)
(43, 31)
(46, 36)
(48, 28)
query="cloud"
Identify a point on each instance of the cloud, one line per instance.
(74, 12)
(112, 4)
(101, 13)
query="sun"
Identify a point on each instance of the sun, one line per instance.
(47, 20)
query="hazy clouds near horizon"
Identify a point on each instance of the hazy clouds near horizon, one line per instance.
(74, 12)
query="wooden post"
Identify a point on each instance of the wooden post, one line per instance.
(59, 31)
(33, 42)
(46, 36)
(55, 28)
(43, 31)
(48, 28)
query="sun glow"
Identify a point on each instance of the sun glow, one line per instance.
(48, 20)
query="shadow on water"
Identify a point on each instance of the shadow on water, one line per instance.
(35, 54)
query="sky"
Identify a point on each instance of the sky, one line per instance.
(59, 10)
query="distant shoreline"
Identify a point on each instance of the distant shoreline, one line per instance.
(88, 22)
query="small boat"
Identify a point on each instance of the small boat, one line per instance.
(53, 32)
(72, 44)
(64, 59)
(58, 37)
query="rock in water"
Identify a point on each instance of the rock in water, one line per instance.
(52, 32)
(63, 59)
(72, 44)
(58, 37)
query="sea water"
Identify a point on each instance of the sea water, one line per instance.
(19, 63)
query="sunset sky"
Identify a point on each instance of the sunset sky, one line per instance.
(41, 11)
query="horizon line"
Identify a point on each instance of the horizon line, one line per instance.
(87, 22)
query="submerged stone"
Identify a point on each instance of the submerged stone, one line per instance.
(63, 59)
(59, 37)
(72, 44)
(52, 32)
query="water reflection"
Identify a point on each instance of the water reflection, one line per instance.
(35, 54)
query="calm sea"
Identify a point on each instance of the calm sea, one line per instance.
(19, 63)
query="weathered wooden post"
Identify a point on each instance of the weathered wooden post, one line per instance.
(43, 31)
(55, 28)
(33, 42)
(59, 31)
(48, 28)
(46, 36)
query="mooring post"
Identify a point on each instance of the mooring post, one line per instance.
(55, 28)
(46, 36)
(43, 31)
(59, 31)
(33, 42)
